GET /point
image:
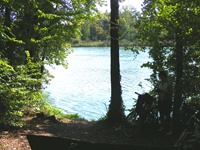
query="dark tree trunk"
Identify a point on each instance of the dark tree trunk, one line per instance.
(178, 85)
(10, 44)
(116, 110)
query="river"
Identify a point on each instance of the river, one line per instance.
(84, 87)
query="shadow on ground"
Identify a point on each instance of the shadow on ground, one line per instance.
(57, 143)
(78, 135)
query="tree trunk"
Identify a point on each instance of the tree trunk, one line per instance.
(116, 110)
(9, 49)
(178, 85)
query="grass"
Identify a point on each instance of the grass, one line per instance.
(50, 111)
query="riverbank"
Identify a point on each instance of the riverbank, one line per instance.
(123, 43)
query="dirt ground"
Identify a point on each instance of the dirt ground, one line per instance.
(81, 131)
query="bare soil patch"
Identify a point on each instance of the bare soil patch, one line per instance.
(95, 132)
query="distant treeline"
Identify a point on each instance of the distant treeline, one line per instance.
(97, 32)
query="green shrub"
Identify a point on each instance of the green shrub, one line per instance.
(20, 90)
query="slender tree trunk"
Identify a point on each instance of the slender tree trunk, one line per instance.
(179, 74)
(10, 44)
(116, 110)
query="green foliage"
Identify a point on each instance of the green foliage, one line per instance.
(34, 34)
(52, 111)
(169, 28)
(90, 44)
(42, 28)
(99, 29)
(20, 90)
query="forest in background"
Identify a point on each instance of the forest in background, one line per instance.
(38, 33)
(97, 33)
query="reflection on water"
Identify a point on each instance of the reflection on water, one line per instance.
(84, 88)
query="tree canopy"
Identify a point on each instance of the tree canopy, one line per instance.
(34, 34)
(38, 33)
(170, 29)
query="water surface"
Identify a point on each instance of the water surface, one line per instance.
(84, 88)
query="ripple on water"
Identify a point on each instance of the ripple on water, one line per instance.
(84, 87)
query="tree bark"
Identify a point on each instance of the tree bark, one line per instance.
(9, 49)
(116, 110)
(178, 85)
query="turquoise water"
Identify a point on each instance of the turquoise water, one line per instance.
(84, 88)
